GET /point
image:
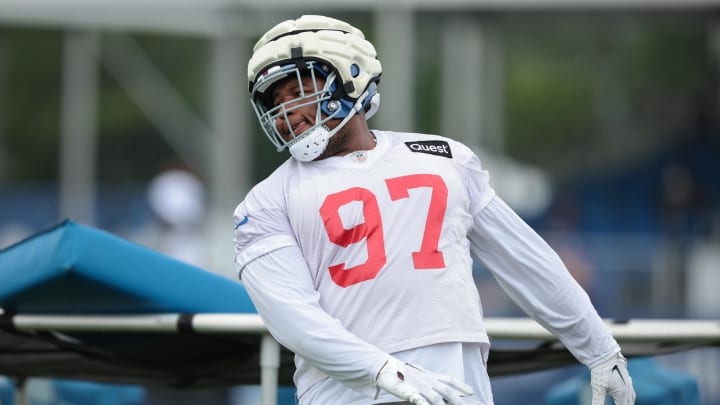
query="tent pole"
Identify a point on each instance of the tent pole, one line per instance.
(20, 391)
(269, 365)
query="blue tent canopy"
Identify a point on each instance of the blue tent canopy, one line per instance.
(72, 268)
(75, 270)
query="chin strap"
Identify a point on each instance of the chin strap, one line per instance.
(311, 144)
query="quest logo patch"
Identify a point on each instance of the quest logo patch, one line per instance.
(437, 148)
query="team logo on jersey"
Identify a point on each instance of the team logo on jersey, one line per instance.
(438, 148)
(242, 221)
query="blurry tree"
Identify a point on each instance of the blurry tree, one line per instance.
(576, 86)
(596, 90)
(130, 147)
(32, 108)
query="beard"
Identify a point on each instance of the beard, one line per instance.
(336, 144)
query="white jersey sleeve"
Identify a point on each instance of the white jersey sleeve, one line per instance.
(261, 224)
(281, 288)
(534, 276)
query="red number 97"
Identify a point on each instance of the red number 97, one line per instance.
(428, 257)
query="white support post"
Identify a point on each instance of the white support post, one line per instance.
(269, 366)
(229, 160)
(78, 132)
(395, 41)
(472, 96)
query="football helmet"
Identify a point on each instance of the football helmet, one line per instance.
(341, 64)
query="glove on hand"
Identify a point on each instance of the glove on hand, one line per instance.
(612, 377)
(420, 387)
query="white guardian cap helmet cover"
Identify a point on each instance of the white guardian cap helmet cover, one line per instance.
(317, 47)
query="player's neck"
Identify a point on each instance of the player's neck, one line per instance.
(353, 137)
(362, 138)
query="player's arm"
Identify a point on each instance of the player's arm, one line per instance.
(534, 276)
(280, 286)
(529, 271)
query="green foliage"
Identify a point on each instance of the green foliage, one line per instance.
(574, 81)
(547, 104)
(131, 147)
(31, 102)
(566, 80)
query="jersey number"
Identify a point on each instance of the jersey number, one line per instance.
(428, 257)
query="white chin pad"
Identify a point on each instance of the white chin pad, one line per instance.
(310, 145)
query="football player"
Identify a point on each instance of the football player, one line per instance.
(357, 251)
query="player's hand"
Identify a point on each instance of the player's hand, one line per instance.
(612, 377)
(420, 387)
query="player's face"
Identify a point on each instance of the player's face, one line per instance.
(300, 117)
(303, 117)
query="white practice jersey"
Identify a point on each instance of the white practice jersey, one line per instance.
(387, 237)
(387, 233)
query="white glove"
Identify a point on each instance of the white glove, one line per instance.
(612, 377)
(420, 387)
